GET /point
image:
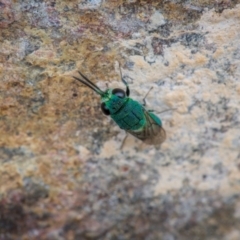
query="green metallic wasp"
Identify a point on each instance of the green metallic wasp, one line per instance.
(129, 114)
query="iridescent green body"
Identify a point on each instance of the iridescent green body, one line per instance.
(129, 114)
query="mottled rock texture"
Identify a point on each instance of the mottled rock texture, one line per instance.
(62, 172)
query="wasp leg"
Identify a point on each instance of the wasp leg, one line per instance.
(125, 83)
(123, 142)
(127, 88)
(166, 110)
(144, 99)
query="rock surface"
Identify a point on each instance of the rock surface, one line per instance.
(63, 174)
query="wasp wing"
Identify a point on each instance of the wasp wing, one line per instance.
(152, 133)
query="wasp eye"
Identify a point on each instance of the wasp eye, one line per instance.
(118, 92)
(105, 109)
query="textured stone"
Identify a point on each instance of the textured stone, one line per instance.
(63, 174)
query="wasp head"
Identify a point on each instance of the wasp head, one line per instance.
(113, 100)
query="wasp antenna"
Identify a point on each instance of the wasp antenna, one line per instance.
(91, 83)
(88, 83)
